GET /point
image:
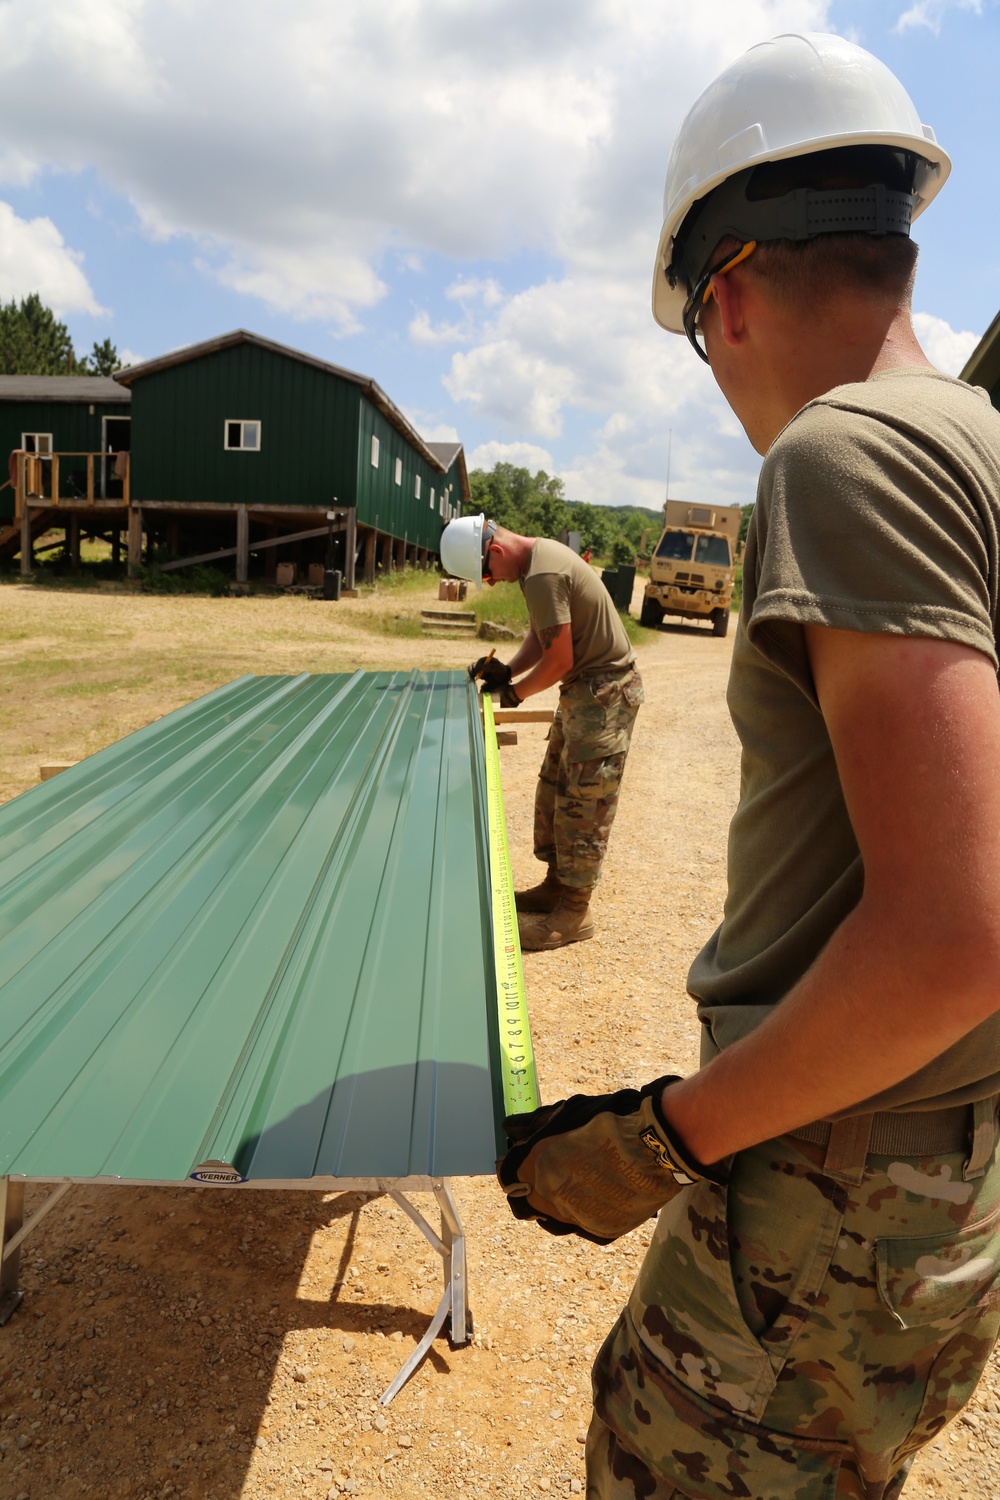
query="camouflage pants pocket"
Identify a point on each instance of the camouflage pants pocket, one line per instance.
(935, 1285)
(579, 784)
(806, 1336)
(685, 1441)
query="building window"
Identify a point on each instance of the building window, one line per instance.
(399, 471)
(416, 488)
(374, 451)
(243, 435)
(432, 497)
(36, 442)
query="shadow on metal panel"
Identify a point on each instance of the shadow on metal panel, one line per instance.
(432, 1119)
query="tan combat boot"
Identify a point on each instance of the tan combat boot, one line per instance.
(568, 922)
(543, 897)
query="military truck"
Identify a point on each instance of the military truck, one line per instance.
(693, 569)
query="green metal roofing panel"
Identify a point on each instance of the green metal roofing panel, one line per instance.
(257, 932)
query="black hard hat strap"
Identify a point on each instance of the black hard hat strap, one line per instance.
(801, 214)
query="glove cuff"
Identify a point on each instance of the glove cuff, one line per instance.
(662, 1141)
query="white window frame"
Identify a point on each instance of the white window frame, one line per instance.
(399, 471)
(243, 423)
(30, 441)
(416, 487)
(375, 448)
(432, 497)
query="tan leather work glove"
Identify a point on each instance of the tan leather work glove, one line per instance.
(597, 1165)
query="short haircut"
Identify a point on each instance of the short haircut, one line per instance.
(878, 268)
(874, 266)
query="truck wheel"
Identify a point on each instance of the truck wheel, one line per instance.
(720, 621)
(651, 614)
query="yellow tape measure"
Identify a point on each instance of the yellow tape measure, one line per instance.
(520, 1086)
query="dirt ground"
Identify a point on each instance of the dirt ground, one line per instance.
(211, 1343)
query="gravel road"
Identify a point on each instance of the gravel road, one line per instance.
(177, 1343)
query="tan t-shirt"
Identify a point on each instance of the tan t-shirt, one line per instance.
(878, 509)
(561, 589)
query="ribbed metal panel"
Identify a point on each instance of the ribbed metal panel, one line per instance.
(256, 932)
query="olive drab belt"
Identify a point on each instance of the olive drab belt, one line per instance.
(965, 1127)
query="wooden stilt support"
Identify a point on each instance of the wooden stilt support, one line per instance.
(27, 560)
(242, 544)
(371, 538)
(350, 546)
(134, 540)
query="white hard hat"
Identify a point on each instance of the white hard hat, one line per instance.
(462, 543)
(786, 98)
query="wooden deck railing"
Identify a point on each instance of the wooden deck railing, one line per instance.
(35, 479)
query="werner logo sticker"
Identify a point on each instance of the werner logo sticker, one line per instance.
(216, 1171)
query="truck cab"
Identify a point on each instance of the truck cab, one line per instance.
(693, 568)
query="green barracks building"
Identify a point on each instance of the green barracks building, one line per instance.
(238, 448)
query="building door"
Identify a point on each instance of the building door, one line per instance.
(116, 437)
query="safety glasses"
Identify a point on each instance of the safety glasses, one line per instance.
(702, 292)
(488, 532)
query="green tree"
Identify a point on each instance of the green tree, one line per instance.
(745, 523)
(531, 504)
(596, 526)
(34, 342)
(103, 359)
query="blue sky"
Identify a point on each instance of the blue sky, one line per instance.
(460, 198)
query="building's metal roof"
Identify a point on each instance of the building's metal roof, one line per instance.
(983, 365)
(258, 933)
(371, 389)
(99, 389)
(448, 454)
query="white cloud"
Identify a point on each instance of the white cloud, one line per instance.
(945, 347)
(35, 258)
(437, 432)
(521, 455)
(300, 148)
(423, 331)
(485, 290)
(930, 13)
(311, 284)
(319, 158)
(584, 353)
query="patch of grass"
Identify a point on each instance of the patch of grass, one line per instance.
(407, 625)
(639, 635)
(193, 580)
(403, 581)
(503, 604)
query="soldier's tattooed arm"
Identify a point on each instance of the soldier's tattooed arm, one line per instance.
(554, 661)
(527, 655)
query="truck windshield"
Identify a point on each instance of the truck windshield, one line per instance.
(713, 550)
(676, 545)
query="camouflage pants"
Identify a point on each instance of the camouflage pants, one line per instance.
(800, 1334)
(577, 793)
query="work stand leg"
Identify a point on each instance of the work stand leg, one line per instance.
(12, 1216)
(15, 1232)
(453, 1308)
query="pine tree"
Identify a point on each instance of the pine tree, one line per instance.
(34, 342)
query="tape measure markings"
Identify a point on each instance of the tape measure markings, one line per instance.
(520, 1085)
